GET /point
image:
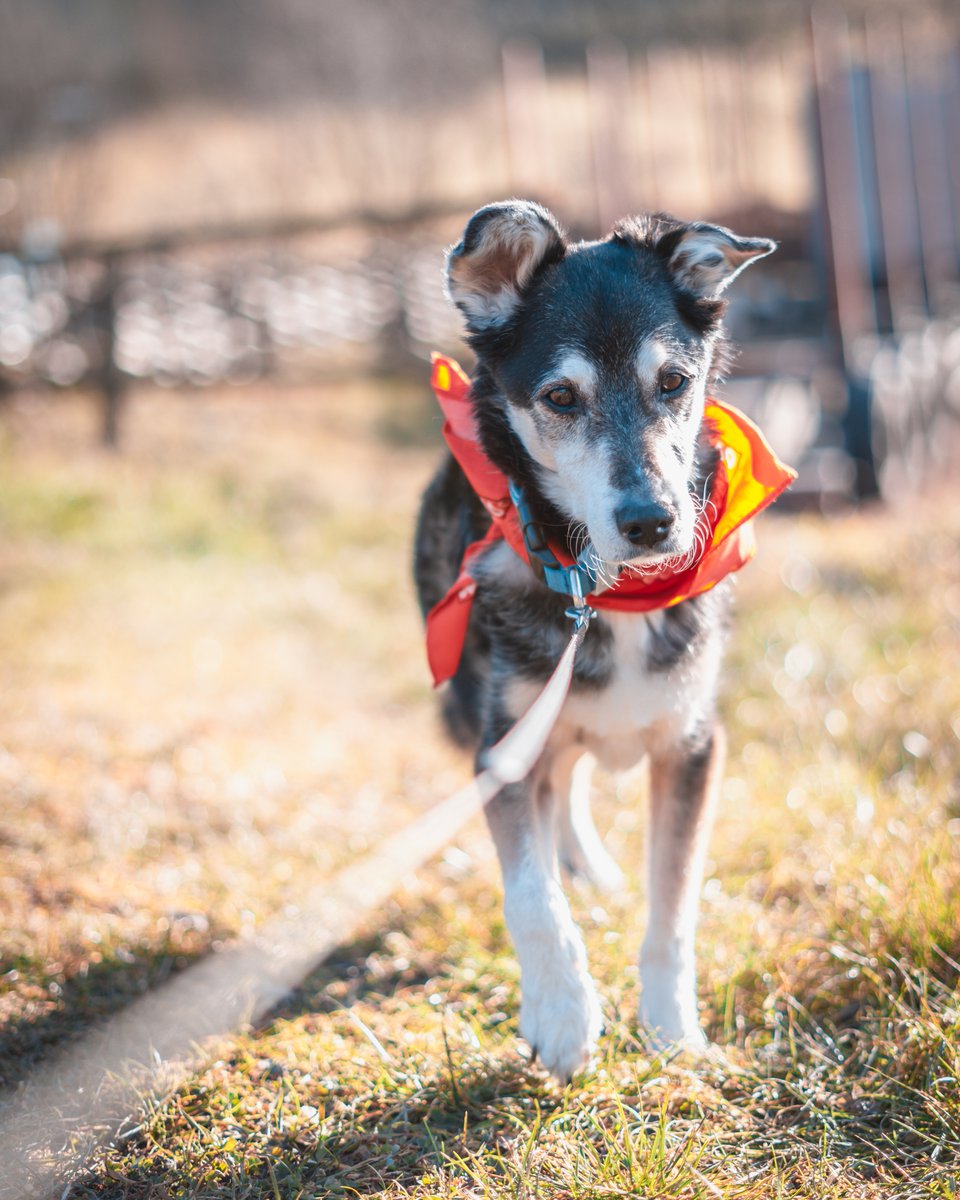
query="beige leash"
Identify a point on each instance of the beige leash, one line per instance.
(52, 1125)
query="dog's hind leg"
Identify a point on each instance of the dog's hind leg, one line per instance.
(560, 1013)
(580, 850)
(682, 794)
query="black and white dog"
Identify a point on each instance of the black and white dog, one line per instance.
(593, 361)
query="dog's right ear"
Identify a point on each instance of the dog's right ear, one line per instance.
(502, 248)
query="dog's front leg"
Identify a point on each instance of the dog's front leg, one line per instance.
(683, 785)
(559, 1014)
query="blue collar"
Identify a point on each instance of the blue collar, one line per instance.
(576, 581)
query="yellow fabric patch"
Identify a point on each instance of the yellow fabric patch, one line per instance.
(746, 493)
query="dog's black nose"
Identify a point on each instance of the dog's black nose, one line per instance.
(644, 524)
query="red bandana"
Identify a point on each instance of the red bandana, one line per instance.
(750, 477)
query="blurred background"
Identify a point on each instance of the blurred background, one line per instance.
(222, 194)
(222, 226)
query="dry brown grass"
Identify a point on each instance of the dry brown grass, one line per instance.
(213, 689)
(192, 646)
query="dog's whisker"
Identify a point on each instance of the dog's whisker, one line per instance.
(606, 572)
(579, 538)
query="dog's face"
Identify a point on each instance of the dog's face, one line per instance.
(601, 354)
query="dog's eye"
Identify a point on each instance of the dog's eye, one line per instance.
(560, 398)
(673, 383)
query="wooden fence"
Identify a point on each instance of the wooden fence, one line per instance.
(846, 145)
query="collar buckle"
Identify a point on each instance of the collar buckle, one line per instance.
(575, 581)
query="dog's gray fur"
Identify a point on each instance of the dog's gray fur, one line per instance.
(580, 349)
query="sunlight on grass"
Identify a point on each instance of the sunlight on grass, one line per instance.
(213, 688)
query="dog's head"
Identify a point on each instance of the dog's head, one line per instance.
(595, 358)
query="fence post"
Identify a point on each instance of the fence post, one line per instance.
(526, 111)
(113, 381)
(842, 196)
(924, 86)
(612, 136)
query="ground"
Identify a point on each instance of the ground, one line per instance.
(213, 694)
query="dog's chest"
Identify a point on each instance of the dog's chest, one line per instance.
(639, 705)
(643, 678)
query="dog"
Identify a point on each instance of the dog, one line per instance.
(593, 362)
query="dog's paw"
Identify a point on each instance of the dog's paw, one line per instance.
(560, 1018)
(692, 1041)
(668, 1011)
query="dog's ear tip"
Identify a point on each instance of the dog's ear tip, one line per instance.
(706, 258)
(515, 208)
(514, 213)
(503, 245)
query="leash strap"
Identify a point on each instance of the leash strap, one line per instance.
(516, 754)
(150, 1047)
(508, 761)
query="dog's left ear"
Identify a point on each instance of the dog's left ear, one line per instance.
(705, 258)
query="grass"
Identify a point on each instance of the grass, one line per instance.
(212, 693)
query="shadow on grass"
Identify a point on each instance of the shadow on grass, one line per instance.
(390, 1126)
(865, 1090)
(53, 1015)
(412, 940)
(402, 1123)
(393, 1133)
(405, 1131)
(348, 977)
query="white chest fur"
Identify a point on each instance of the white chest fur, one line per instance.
(637, 707)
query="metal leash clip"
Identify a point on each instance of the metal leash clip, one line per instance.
(580, 611)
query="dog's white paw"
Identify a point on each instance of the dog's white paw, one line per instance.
(693, 1041)
(560, 1018)
(668, 1009)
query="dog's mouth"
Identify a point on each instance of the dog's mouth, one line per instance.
(612, 548)
(680, 553)
(690, 541)
(651, 562)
